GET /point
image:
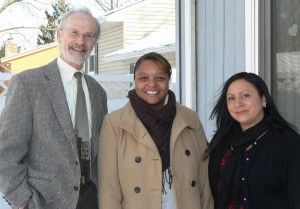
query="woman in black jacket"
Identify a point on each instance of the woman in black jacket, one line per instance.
(255, 152)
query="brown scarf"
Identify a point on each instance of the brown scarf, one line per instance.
(159, 124)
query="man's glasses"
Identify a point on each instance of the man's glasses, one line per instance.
(74, 34)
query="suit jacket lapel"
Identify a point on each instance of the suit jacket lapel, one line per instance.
(55, 90)
(95, 114)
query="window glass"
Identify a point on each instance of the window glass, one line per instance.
(286, 58)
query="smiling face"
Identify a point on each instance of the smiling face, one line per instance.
(152, 83)
(244, 103)
(76, 39)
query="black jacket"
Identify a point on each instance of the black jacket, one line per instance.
(271, 175)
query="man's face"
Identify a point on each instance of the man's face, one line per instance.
(76, 39)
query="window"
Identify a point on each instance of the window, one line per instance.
(285, 58)
(92, 63)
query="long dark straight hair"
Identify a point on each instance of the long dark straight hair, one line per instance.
(225, 123)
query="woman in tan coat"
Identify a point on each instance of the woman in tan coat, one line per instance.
(151, 150)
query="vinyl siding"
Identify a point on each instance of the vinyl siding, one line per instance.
(140, 21)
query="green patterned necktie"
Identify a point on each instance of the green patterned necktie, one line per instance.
(81, 116)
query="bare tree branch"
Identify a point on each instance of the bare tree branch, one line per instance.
(32, 5)
(22, 35)
(7, 4)
(41, 2)
(26, 27)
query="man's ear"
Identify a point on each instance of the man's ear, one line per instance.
(57, 34)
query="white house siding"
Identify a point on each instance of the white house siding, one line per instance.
(139, 21)
(220, 51)
(152, 16)
(110, 40)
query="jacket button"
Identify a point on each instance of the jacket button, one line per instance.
(137, 189)
(76, 163)
(193, 183)
(76, 188)
(138, 159)
(187, 152)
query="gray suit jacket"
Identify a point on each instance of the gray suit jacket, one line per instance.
(38, 151)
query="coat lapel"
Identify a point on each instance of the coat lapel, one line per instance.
(55, 91)
(181, 121)
(134, 126)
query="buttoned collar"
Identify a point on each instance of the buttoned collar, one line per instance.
(66, 70)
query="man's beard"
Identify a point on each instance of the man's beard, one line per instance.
(70, 53)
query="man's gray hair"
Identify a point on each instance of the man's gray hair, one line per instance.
(83, 10)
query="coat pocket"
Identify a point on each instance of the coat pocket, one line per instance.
(43, 189)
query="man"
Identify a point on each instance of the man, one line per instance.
(45, 159)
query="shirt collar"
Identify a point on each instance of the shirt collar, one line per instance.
(66, 70)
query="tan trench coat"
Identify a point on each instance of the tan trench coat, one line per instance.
(129, 164)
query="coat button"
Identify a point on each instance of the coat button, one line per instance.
(138, 159)
(193, 183)
(187, 152)
(76, 163)
(76, 188)
(137, 189)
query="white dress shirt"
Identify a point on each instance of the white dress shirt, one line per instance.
(70, 87)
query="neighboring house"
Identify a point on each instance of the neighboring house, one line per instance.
(133, 30)
(30, 59)
(129, 32)
(18, 62)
